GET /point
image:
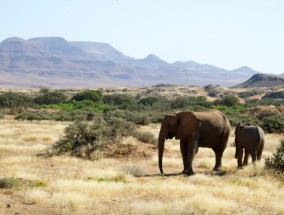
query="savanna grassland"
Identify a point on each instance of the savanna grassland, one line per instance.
(132, 185)
(95, 152)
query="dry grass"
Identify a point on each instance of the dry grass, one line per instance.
(112, 186)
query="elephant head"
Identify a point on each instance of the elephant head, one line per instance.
(182, 126)
(238, 129)
(167, 131)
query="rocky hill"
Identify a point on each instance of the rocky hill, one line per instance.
(262, 80)
(55, 62)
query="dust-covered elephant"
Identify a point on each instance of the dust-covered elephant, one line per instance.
(210, 129)
(251, 139)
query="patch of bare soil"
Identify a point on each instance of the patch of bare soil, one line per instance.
(143, 150)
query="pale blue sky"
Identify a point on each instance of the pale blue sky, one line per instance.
(225, 33)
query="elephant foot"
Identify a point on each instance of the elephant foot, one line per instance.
(240, 167)
(217, 169)
(189, 172)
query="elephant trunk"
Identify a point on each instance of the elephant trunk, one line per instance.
(161, 145)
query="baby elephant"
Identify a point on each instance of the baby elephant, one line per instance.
(251, 139)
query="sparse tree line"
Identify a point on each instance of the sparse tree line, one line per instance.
(88, 103)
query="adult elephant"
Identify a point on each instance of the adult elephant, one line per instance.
(210, 129)
(251, 139)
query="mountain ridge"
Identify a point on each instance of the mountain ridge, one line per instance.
(56, 62)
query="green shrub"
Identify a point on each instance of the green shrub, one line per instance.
(199, 101)
(9, 183)
(47, 97)
(229, 101)
(57, 116)
(270, 101)
(163, 104)
(134, 117)
(179, 102)
(1, 115)
(82, 139)
(77, 135)
(12, 100)
(122, 101)
(148, 101)
(145, 137)
(34, 115)
(277, 161)
(274, 123)
(91, 95)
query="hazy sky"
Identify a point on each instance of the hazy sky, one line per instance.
(225, 33)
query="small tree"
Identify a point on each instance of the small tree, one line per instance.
(149, 101)
(92, 95)
(229, 101)
(11, 100)
(47, 98)
(277, 161)
(122, 101)
(273, 124)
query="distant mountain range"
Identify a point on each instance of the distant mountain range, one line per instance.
(55, 62)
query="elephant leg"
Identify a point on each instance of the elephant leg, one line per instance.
(245, 163)
(184, 150)
(218, 159)
(190, 156)
(259, 151)
(253, 155)
(240, 156)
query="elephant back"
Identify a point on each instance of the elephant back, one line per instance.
(215, 128)
(250, 134)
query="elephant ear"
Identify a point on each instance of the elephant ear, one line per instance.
(187, 123)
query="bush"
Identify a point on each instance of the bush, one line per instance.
(179, 103)
(82, 139)
(134, 117)
(9, 183)
(199, 101)
(122, 101)
(229, 101)
(274, 123)
(46, 97)
(1, 115)
(57, 116)
(91, 95)
(277, 161)
(34, 115)
(149, 101)
(145, 137)
(12, 100)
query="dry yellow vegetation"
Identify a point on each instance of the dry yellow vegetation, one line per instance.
(66, 185)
